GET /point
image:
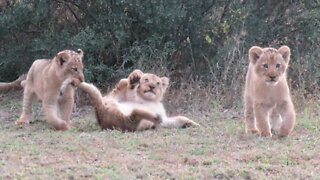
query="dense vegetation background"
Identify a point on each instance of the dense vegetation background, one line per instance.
(186, 40)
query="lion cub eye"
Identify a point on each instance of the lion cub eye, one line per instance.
(146, 80)
(75, 69)
(278, 66)
(265, 66)
(158, 83)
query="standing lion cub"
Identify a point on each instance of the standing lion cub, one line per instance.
(267, 100)
(43, 82)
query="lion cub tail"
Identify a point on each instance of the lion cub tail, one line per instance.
(94, 93)
(15, 85)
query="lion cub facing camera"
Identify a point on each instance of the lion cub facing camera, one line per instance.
(267, 100)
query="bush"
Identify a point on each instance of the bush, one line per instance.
(204, 40)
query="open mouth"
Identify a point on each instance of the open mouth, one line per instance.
(272, 82)
(149, 91)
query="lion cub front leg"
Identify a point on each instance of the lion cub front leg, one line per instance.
(28, 96)
(120, 89)
(250, 121)
(66, 105)
(288, 116)
(51, 111)
(138, 115)
(261, 114)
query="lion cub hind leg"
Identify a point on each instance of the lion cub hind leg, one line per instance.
(178, 122)
(261, 113)
(288, 118)
(28, 97)
(112, 118)
(66, 108)
(145, 125)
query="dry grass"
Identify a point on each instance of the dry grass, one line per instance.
(217, 150)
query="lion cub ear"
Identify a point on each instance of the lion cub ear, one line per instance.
(285, 53)
(80, 52)
(61, 58)
(254, 54)
(165, 83)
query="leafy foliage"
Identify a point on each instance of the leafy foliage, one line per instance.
(185, 40)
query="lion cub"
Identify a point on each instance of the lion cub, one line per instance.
(267, 100)
(134, 105)
(44, 80)
(111, 113)
(146, 90)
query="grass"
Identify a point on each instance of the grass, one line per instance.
(218, 150)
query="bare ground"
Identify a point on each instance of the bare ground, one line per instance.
(218, 150)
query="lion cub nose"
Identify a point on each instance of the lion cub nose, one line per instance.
(272, 78)
(151, 87)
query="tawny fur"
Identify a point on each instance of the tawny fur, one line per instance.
(134, 105)
(114, 115)
(267, 99)
(15, 85)
(135, 89)
(43, 82)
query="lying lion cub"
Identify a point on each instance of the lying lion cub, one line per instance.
(267, 98)
(44, 80)
(134, 105)
(147, 90)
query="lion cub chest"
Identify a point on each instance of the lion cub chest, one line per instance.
(155, 107)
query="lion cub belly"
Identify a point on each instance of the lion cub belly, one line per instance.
(127, 107)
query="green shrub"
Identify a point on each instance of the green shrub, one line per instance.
(206, 40)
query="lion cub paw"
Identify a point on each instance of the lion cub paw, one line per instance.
(265, 134)
(122, 84)
(252, 131)
(75, 82)
(158, 119)
(22, 121)
(63, 126)
(135, 77)
(189, 123)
